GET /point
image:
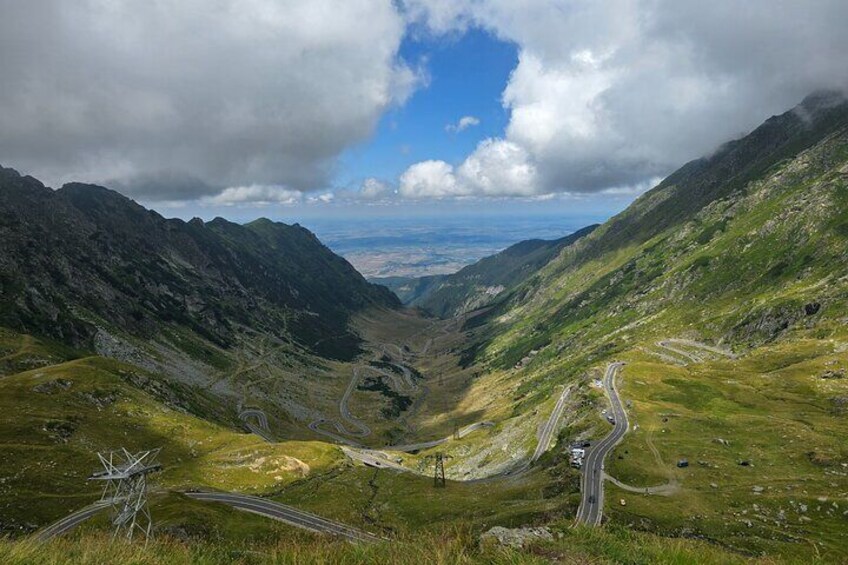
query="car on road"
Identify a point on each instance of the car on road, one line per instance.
(610, 419)
(592, 499)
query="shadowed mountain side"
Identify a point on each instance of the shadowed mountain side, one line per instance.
(84, 255)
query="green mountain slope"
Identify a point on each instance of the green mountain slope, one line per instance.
(478, 284)
(734, 248)
(84, 256)
(746, 251)
(411, 289)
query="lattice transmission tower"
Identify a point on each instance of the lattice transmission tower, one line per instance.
(125, 488)
(439, 471)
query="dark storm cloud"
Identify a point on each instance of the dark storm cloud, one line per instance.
(163, 186)
(217, 94)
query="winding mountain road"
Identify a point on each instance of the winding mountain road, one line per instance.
(703, 346)
(673, 345)
(283, 513)
(380, 459)
(409, 447)
(261, 427)
(592, 482)
(550, 426)
(71, 521)
(374, 458)
(361, 430)
(260, 506)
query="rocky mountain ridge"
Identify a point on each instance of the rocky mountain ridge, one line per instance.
(83, 255)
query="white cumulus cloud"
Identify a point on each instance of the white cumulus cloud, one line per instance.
(177, 99)
(609, 95)
(463, 124)
(496, 168)
(499, 168)
(255, 194)
(373, 188)
(430, 179)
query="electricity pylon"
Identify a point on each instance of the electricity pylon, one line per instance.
(125, 489)
(439, 470)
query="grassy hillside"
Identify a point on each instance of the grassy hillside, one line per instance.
(54, 418)
(764, 437)
(742, 269)
(478, 284)
(751, 255)
(442, 548)
(58, 414)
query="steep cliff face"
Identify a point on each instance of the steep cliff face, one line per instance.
(84, 256)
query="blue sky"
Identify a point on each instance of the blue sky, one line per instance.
(466, 75)
(246, 108)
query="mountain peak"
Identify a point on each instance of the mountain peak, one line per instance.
(822, 100)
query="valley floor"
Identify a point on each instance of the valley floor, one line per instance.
(761, 434)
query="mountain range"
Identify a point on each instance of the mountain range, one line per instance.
(83, 257)
(477, 284)
(706, 325)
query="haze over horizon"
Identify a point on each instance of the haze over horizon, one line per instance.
(424, 108)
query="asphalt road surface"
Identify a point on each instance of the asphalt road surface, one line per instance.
(550, 426)
(591, 508)
(374, 458)
(688, 355)
(261, 506)
(433, 443)
(283, 513)
(261, 427)
(344, 411)
(71, 521)
(377, 458)
(672, 345)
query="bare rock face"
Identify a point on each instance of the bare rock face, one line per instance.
(52, 387)
(515, 537)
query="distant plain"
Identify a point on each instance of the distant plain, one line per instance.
(414, 247)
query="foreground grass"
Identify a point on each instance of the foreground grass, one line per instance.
(455, 546)
(764, 438)
(55, 417)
